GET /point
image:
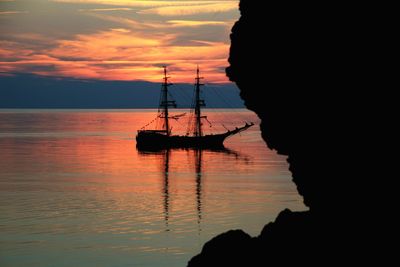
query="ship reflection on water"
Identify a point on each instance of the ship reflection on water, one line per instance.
(197, 155)
(73, 185)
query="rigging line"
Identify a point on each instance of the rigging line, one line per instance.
(172, 97)
(224, 118)
(233, 109)
(226, 102)
(183, 97)
(183, 93)
(151, 122)
(202, 92)
(190, 126)
(159, 103)
(216, 111)
(208, 107)
(221, 97)
(181, 125)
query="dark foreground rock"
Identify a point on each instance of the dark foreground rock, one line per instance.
(303, 69)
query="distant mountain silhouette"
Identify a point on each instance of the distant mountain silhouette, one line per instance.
(33, 91)
(314, 64)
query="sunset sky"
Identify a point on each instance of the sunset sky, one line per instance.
(116, 39)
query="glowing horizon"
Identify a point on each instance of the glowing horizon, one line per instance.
(116, 40)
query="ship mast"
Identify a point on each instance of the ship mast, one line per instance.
(165, 103)
(198, 104)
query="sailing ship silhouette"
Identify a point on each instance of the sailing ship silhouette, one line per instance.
(195, 138)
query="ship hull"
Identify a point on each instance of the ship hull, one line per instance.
(149, 140)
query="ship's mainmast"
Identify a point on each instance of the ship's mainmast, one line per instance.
(198, 104)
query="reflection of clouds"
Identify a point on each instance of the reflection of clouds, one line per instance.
(128, 40)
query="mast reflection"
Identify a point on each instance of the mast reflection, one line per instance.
(165, 155)
(166, 187)
(198, 153)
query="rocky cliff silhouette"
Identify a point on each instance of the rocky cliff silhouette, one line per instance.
(302, 69)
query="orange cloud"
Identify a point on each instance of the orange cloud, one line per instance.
(12, 12)
(110, 45)
(119, 54)
(12, 51)
(131, 47)
(147, 3)
(106, 9)
(194, 23)
(185, 10)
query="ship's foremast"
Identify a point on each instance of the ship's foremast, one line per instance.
(165, 103)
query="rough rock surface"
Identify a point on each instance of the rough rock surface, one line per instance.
(302, 68)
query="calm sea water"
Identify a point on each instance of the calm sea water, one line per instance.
(74, 191)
